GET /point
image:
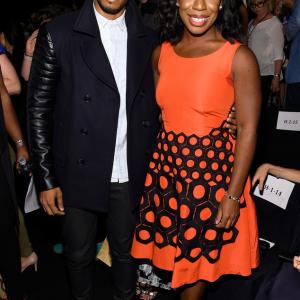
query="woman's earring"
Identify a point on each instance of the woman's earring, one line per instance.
(177, 4)
(221, 6)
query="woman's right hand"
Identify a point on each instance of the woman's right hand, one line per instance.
(228, 213)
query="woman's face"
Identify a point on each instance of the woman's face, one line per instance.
(259, 6)
(198, 16)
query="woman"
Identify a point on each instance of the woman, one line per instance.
(10, 263)
(197, 220)
(28, 256)
(266, 40)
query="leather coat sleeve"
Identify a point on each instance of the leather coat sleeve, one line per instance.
(40, 108)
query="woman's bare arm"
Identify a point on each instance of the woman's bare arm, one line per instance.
(246, 81)
(10, 77)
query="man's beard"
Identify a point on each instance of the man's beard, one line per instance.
(111, 11)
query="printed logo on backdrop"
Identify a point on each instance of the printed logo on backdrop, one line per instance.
(288, 121)
(276, 191)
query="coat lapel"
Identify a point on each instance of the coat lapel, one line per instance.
(91, 45)
(139, 50)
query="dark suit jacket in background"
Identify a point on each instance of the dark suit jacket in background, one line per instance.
(73, 106)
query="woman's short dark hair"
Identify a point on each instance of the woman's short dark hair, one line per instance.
(228, 21)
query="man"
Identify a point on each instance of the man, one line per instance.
(292, 32)
(92, 122)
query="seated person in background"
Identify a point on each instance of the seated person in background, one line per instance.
(284, 284)
(284, 173)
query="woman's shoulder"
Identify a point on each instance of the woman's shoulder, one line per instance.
(275, 20)
(244, 58)
(231, 47)
(160, 50)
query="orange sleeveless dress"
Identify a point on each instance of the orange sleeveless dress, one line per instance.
(189, 172)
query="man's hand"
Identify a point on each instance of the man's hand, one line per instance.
(21, 152)
(231, 121)
(260, 176)
(52, 202)
(296, 262)
(228, 213)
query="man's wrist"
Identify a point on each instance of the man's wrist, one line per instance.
(276, 76)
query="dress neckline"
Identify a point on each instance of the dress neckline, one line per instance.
(220, 49)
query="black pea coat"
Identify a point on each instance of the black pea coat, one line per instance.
(73, 105)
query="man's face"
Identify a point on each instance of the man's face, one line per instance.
(111, 9)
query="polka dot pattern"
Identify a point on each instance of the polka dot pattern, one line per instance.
(186, 180)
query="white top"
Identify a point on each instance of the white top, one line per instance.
(266, 40)
(113, 35)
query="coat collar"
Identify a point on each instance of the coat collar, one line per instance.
(86, 21)
(139, 47)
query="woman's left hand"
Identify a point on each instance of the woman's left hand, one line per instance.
(275, 85)
(228, 213)
(21, 152)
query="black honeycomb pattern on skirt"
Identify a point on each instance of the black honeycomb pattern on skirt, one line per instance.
(187, 177)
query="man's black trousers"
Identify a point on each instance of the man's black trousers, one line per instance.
(79, 232)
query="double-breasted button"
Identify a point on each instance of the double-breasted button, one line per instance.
(87, 98)
(142, 93)
(81, 162)
(84, 131)
(145, 123)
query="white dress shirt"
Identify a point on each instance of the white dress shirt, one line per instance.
(113, 35)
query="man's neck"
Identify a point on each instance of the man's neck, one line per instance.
(106, 15)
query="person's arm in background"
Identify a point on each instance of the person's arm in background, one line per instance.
(27, 60)
(280, 172)
(11, 122)
(293, 25)
(9, 75)
(276, 38)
